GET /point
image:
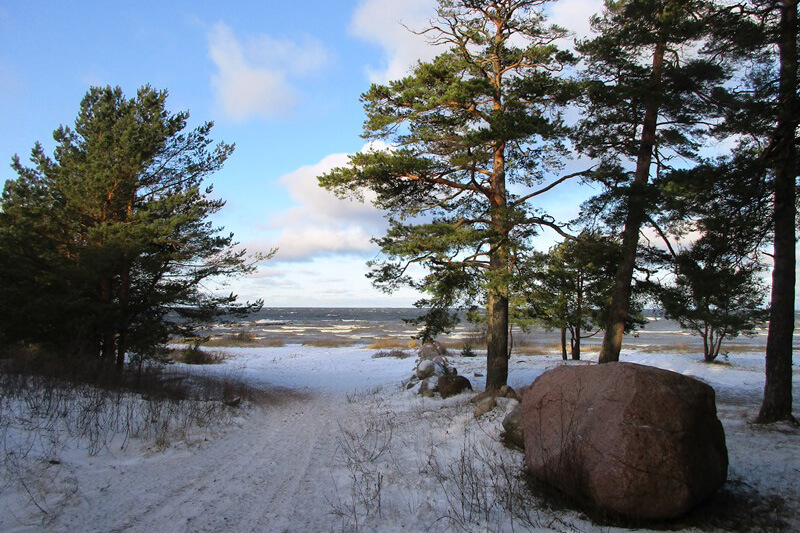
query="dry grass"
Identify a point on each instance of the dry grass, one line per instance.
(329, 343)
(526, 347)
(235, 341)
(678, 347)
(391, 342)
(271, 342)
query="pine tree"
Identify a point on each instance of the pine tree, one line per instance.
(569, 288)
(716, 289)
(471, 136)
(118, 219)
(648, 97)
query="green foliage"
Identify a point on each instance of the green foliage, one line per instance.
(570, 287)
(714, 297)
(619, 80)
(106, 245)
(716, 289)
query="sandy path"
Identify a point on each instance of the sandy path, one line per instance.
(260, 476)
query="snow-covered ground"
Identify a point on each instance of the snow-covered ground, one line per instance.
(339, 444)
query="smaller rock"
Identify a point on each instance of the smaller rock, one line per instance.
(482, 396)
(484, 406)
(513, 436)
(429, 387)
(450, 385)
(507, 391)
(425, 369)
(477, 374)
(432, 350)
(234, 402)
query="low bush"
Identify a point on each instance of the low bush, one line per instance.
(399, 354)
(196, 355)
(467, 351)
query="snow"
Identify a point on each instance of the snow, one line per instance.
(340, 445)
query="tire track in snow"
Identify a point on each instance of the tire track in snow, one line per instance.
(259, 477)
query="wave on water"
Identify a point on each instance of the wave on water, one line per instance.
(365, 326)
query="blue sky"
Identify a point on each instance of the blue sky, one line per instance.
(280, 79)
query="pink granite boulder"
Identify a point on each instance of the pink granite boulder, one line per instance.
(625, 439)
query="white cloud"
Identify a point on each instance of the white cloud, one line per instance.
(319, 223)
(321, 282)
(304, 242)
(313, 203)
(255, 78)
(387, 23)
(575, 15)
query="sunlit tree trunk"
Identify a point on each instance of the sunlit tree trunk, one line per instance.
(498, 315)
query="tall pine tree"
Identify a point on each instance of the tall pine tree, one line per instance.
(108, 242)
(471, 135)
(648, 96)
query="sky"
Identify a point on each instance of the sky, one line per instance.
(281, 80)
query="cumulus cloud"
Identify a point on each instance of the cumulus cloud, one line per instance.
(313, 203)
(319, 223)
(296, 244)
(255, 78)
(387, 24)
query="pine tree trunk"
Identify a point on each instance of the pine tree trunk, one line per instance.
(498, 319)
(777, 403)
(564, 343)
(108, 334)
(124, 304)
(510, 338)
(621, 296)
(576, 345)
(497, 339)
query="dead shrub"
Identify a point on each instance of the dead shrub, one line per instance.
(196, 355)
(398, 354)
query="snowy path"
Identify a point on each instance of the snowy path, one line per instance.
(276, 468)
(261, 476)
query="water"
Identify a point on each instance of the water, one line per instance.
(363, 326)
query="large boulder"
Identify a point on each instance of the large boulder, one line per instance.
(626, 439)
(451, 384)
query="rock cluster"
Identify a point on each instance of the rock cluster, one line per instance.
(434, 374)
(625, 439)
(487, 400)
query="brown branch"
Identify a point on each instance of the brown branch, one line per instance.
(662, 235)
(562, 179)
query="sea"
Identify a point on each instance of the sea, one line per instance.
(389, 327)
